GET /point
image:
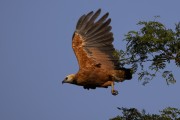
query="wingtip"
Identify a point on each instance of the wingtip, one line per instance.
(107, 14)
(90, 12)
(99, 10)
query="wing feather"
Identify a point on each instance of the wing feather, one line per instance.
(91, 21)
(79, 24)
(85, 21)
(98, 25)
(92, 42)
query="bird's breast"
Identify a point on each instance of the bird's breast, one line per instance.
(96, 77)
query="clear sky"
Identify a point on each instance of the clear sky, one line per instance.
(36, 55)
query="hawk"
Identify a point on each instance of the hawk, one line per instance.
(92, 45)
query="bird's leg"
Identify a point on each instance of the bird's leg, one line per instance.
(114, 92)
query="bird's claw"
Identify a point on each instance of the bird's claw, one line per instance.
(114, 92)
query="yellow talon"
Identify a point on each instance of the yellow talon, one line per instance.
(114, 92)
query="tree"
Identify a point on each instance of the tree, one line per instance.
(148, 52)
(134, 114)
(151, 49)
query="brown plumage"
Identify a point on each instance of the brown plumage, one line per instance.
(92, 45)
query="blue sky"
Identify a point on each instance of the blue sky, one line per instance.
(36, 55)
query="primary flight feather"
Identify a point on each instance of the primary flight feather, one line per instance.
(92, 45)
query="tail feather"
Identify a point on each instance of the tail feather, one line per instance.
(122, 74)
(128, 73)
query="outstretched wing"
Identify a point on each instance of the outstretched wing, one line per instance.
(92, 42)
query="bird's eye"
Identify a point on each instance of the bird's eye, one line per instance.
(66, 78)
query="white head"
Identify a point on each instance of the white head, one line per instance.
(69, 79)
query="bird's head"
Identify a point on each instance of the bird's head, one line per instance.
(69, 79)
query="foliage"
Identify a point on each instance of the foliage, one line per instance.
(133, 114)
(152, 47)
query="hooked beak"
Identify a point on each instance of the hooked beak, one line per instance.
(64, 81)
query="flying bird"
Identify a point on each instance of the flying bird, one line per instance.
(92, 45)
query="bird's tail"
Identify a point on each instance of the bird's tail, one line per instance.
(122, 74)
